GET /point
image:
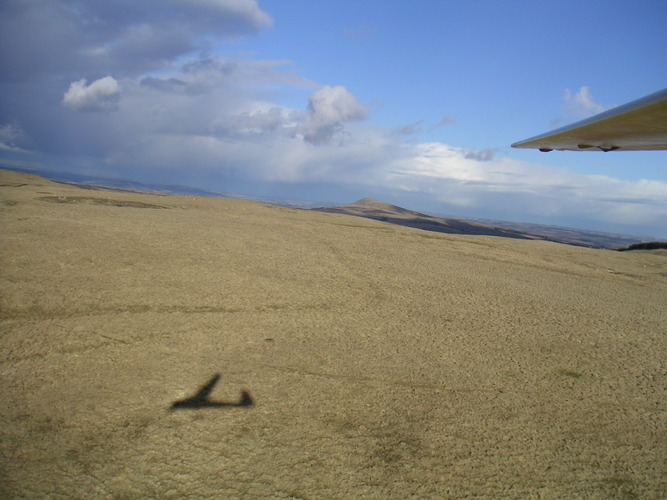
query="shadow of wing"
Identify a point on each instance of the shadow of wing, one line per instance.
(206, 390)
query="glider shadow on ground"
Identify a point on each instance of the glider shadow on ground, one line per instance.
(201, 399)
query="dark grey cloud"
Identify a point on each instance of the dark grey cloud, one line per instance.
(169, 85)
(480, 154)
(630, 200)
(63, 57)
(412, 129)
(118, 37)
(446, 120)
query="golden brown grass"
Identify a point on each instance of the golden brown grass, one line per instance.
(383, 361)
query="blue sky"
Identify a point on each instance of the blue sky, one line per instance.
(412, 102)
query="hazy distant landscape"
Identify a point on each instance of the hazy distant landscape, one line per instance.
(374, 209)
(385, 212)
(173, 346)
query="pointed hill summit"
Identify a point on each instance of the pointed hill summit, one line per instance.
(374, 207)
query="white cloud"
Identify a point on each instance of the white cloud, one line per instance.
(258, 123)
(328, 109)
(101, 95)
(580, 104)
(525, 191)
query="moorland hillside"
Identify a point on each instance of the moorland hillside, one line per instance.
(175, 346)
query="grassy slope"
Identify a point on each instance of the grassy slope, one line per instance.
(384, 361)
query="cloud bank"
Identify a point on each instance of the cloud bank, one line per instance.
(141, 90)
(119, 37)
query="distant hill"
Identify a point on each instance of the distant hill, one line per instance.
(377, 210)
(385, 212)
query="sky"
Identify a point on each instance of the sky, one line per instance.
(413, 102)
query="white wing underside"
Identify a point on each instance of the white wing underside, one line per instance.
(640, 125)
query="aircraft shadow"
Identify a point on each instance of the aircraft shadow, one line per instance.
(201, 399)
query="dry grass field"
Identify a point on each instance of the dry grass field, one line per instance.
(383, 361)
